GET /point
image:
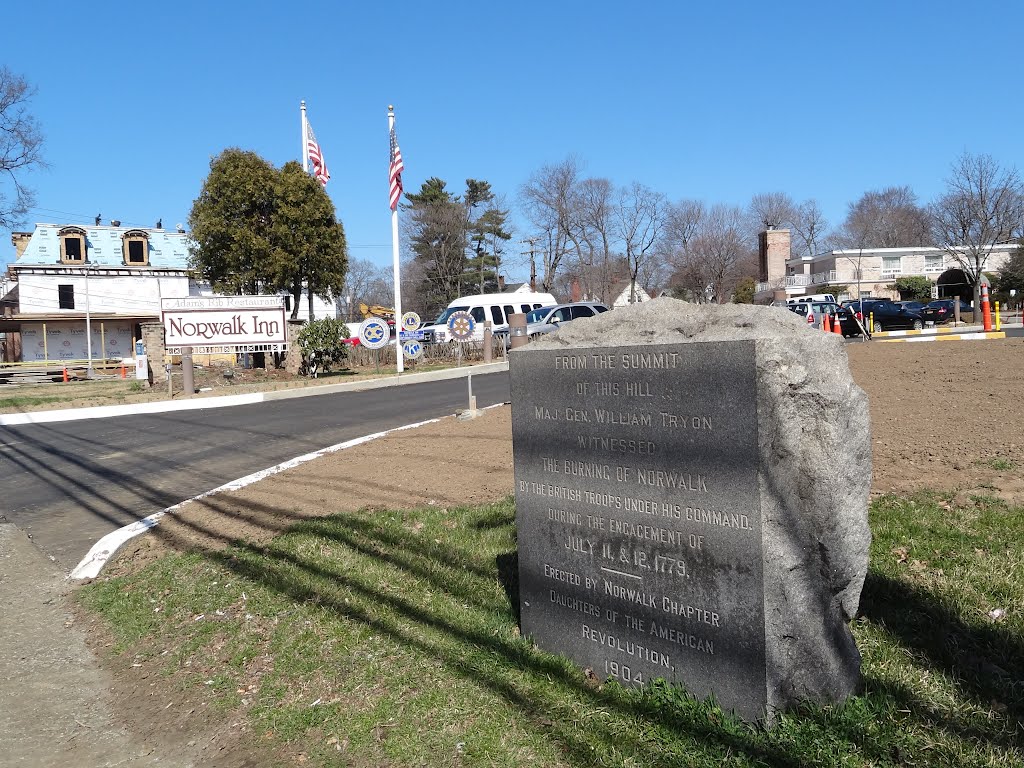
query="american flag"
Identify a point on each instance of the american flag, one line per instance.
(395, 172)
(315, 156)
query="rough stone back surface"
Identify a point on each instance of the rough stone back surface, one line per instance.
(814, 478)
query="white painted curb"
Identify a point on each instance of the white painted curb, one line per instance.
(104, 549)
(979, 336)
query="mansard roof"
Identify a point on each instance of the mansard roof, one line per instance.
(167, 249)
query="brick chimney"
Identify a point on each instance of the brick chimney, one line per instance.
(773, 251)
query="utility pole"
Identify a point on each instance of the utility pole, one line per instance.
(533, 262)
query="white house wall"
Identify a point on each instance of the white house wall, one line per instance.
(136, 294)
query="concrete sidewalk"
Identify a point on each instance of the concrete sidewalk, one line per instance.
(54, 704)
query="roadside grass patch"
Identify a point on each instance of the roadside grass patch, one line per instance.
(60, 394)
(391, 637)
(24, 402)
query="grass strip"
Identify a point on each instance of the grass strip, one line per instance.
(390, 637)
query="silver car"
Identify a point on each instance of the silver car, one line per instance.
(548, 319)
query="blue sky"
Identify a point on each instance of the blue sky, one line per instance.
(713, 101)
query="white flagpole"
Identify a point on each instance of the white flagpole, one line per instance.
(305, 149)
(394, 254)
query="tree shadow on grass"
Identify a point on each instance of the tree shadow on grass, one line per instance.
(656, 725)
(986, 662)
(507, 666)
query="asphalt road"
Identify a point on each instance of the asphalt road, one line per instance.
(69, 483)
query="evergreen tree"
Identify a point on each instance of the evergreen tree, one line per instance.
(230, 224)
(309, 250)
(487, 234)
(438, 238)
(259, 230)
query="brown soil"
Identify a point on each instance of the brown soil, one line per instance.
(943, 414)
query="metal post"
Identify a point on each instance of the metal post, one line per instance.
(396, 266)
(517, 330)
(188, 386)
(472, 400)
(88, 325)
(488, 341)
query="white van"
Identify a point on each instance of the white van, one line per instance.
(817, 298)
(495, 307)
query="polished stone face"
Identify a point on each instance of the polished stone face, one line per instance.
(638, 513)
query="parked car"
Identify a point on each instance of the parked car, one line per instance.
(548, 319)
(886, 315)
(813, 311)
(915, 306)
(941, 311)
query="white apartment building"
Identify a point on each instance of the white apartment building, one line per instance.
(866, 272)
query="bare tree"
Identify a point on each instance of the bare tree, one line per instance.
(682, 220)
(982, 208)
(887, 218)
(716, 256)
(772, 209)
(810, 225)
(641, 216)
(549, 200)
(365, 283)
(596, 267)
(21, 143)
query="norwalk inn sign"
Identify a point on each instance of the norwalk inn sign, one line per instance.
(224, 324)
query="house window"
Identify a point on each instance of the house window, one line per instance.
(933, 262)
(66, 296)
(72, 245)
(135, 247)
(891, 266)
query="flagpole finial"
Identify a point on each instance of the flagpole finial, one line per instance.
(391, 108)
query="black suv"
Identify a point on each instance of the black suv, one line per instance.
(885, 315)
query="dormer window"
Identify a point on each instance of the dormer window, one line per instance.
(72, 245)
(135, 246)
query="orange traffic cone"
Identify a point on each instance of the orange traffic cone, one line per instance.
(65, 373)
(826, 322)
(837, 325)
(986, 309)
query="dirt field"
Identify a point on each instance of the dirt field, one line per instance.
(945, 416)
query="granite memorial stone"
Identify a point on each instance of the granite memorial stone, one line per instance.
(691, 501)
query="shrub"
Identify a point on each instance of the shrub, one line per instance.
(322, 345)
(914, 288)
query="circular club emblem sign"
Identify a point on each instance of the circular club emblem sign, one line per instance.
(412, 349)
(410, 321)
(461, 326)
(374, 334)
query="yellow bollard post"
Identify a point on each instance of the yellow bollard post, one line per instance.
(871, 322)
(998, 324)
